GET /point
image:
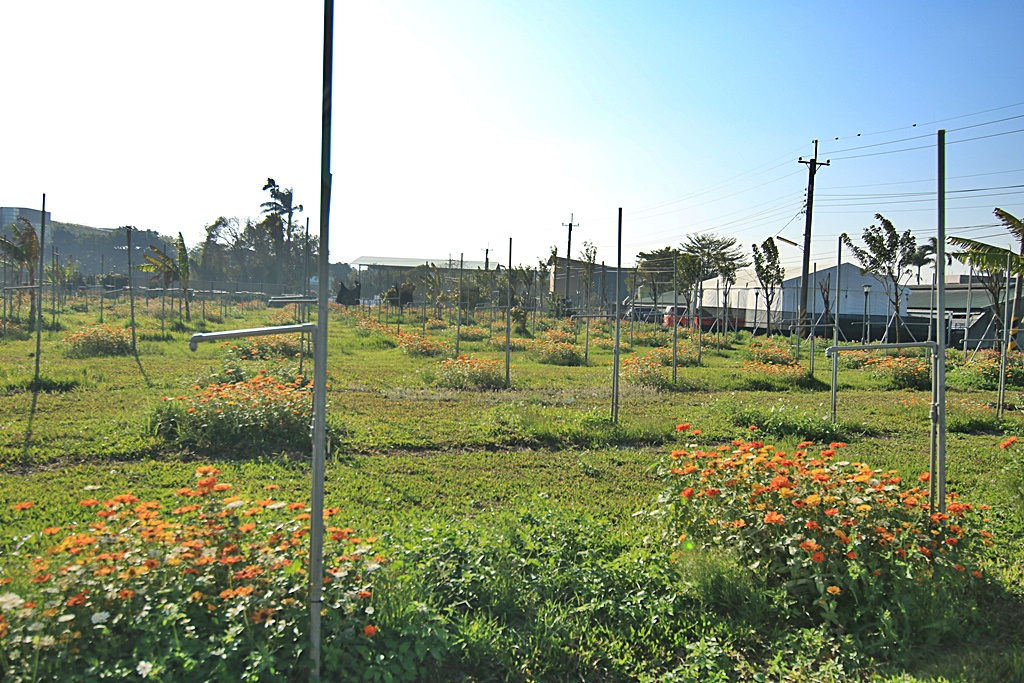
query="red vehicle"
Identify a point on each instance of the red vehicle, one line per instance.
(675, 315)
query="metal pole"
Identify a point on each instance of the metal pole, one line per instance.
(967, 320)
(316, 522)
(940, 302)
(508, 320)
(458, 311)
(103, 288)
(1006, 343)
(835, 327)
(38, 291)
(675, 316)
(618, 326)
(131, 288)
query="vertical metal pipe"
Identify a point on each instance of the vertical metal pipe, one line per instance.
(131, 288)
(835, 327)
(967, 320)
(618, 325)
(316, 514)
(1006, 342)
(940, 303)
(38, 291)
(675, 315)
(508, 320)
(458, 311)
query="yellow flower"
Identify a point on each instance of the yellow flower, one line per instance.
(864, 508)
(834, 590)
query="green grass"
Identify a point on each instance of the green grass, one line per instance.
(481, 473)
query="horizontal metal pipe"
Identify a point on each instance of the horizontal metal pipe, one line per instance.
(193, 341)
(870, 347)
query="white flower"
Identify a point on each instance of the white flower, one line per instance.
(100, 617)
(65, 617)
(235, 504)
(10, 601)
(35, 626)
(47, 641)
(276, 506)
(144, 668)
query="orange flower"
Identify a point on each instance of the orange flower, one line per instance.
(364, 594)
(924, 477)
(89, 502)
(23, 506)
(832, 512)
(976, 574)
(76, 600)
(752, 428)
(710, 493)
(41, 578)
(853, 556)
(369, 630)
(247, 527)
(51, 530)
(818, 557)
(812, 525)
(683, 427)
(296, 506)
(126, 594)
(774, 518)
(271, 487)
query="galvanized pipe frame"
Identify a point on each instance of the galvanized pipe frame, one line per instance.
(937, 446)
(198, 337)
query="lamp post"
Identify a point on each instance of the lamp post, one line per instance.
(867, 320)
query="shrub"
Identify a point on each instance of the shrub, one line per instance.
(436, 324)
(261, 413)
(466, 372)
(99, 340)
(654, 338)
(769, 351)
(418, 345)
(854, 360)
(559, 335)
(854, 550)
(266, 348)
(982, 372)
(214, 590)
(647, 370)
(557, 353)
(902, 372)
(474, 333)
(772, 377)
(514, 343)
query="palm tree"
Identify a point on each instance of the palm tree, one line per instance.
(281, 205)
(169, 270)
(992, 259)
(924, 256)
(22, 251)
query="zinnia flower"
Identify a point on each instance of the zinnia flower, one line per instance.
(369, 630)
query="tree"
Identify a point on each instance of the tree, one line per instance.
(168, 270)
(719, 257)
(281, 204)
(22, 251)
(990, 262)
(655, 269)
(888, 257)
(769, 273)
(589, 257)
(924, 255)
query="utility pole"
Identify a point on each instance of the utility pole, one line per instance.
(568, 255)
(812, 168)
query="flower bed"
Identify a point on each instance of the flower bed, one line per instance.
(854, 548)
(99, 340)
(466, 372)
(557, 353)
(902, 372)
(214, 589)
(647, 370)
(418, 345)
(259, 413)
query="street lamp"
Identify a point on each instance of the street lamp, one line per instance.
(867, 321)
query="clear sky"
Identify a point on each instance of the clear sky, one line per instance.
(461, 123)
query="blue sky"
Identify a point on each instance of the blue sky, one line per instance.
(460, 124)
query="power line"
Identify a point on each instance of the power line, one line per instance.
(928, 123)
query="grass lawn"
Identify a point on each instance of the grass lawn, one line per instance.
(517, 534)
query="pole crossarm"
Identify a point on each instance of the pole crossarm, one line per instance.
(195, 339)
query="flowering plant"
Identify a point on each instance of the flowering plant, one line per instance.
(262, 411)
(902, 372)
(215, 589)
(557, 352)
(647, 370)
(99, 340)
(466, 372)
(417, 345)
(848, 543)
